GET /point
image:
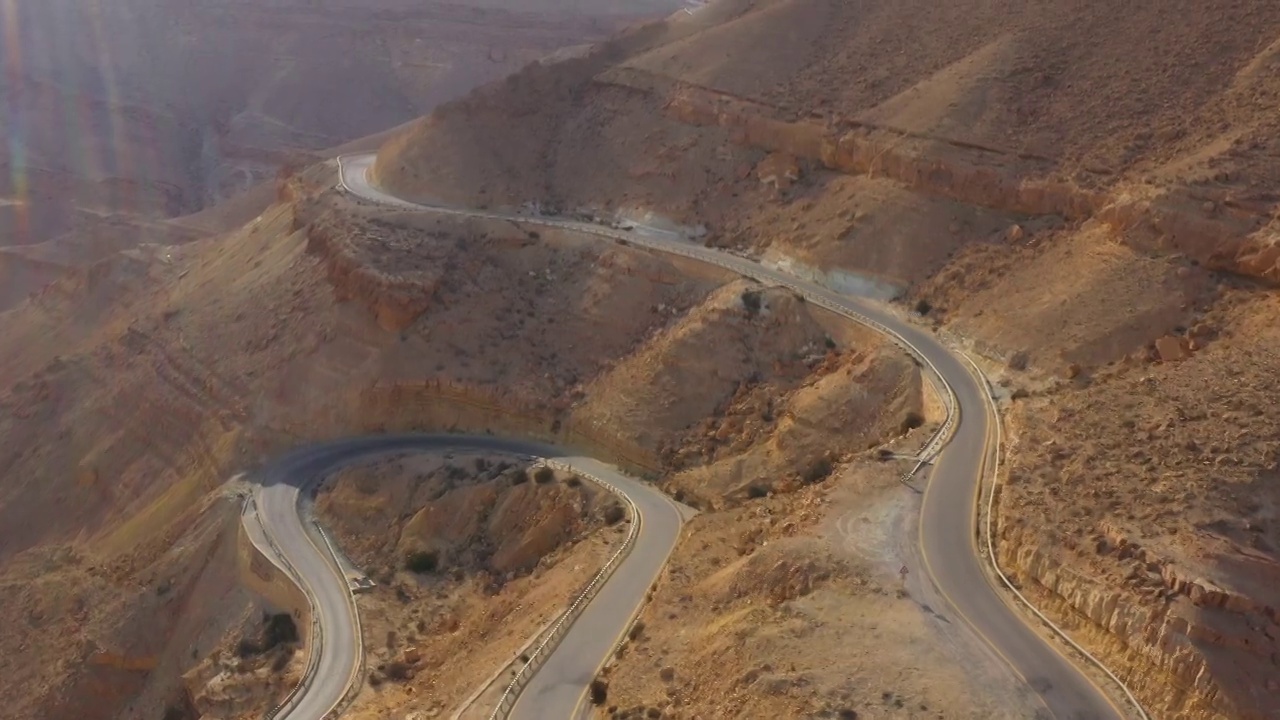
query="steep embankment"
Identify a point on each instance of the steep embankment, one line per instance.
(1084, 193)
(125, 623)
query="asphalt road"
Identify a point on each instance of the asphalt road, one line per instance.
(559, 686)
(947, 529)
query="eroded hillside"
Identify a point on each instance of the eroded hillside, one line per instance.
(1082, 193)
(136, 388)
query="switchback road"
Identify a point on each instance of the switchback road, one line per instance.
(947, 537)
(558, 688)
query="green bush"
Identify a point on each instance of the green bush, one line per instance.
(422, 562)
(614, 514)
(912, 421)
(544, 475)
(599, 692)
(819, 470)
(280, 629)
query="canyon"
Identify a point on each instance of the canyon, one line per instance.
(1080, 196)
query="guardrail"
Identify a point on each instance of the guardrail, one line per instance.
(988, 536)
(507, 702)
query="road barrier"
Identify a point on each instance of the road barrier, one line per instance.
(511, 695)
(518, 417)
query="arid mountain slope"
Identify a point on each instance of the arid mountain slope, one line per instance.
(160, 107)
(131, 391)
(660, 117)
(1084, 193)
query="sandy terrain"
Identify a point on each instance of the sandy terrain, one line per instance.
(126, 623)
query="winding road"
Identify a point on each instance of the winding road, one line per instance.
(948, 539)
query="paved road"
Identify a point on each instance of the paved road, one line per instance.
(947, 532)
(558, 688)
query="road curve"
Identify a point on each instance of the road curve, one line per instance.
(947, 521)
(559, 686)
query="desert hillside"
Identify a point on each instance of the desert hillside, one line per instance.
(135, 388)
(157, 108)
(1004, 114)
(1082, 193)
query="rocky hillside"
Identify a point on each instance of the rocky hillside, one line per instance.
(999, 119)
(134, 389)
(1083, 193)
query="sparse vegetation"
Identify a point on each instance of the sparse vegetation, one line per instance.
(912, 421)
(757, 490)
(751, 302)
(923, 307)
(819, 470)
(599, 692)
(544, 475)
(614, 514)
(422, 562)
(279, 630)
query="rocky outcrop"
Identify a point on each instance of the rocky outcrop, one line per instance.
(1221, 231)
(394, 301)
(435, 405)
(1162, 630)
